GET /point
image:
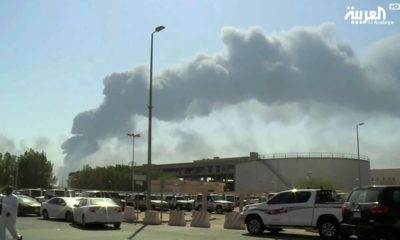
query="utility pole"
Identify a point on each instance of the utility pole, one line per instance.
(133, 136)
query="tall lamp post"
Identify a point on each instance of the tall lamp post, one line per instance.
(133, 136)
(358, 154)
(148, 201)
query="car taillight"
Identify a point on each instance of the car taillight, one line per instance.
(379, 210)
(93, 209)
(344, 208)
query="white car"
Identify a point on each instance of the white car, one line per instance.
(308, 209)
(98, 210)
(59, 207)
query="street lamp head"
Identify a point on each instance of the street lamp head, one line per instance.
(360, 124)
(159, 28)
(133, 135)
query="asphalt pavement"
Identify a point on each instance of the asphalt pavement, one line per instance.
(34, 228)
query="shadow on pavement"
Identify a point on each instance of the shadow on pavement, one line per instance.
(282, 236)
(137, 232)
(94, 227)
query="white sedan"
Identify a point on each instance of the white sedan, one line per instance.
(98, 210)
(59, 207)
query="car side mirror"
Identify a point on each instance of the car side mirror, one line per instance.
(76, 205)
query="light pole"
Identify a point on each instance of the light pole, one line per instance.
(358, 155)
(133, 136)
(148, 201)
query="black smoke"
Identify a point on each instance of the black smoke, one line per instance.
(303, 65)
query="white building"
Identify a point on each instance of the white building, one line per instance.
(277, 172)
(385, 176)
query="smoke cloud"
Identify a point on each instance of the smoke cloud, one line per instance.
(286, 78)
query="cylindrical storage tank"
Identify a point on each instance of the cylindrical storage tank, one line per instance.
(277, 172)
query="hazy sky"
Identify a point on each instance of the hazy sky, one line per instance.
(231, 77)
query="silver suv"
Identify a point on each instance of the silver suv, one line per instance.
(215, 202)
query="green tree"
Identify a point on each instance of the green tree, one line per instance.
(8, 169)
(34, 170)
(116, 177)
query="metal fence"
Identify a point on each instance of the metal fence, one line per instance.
(313, 155)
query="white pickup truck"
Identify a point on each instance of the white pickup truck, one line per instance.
(309, 209)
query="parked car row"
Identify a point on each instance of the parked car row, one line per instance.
(215, 202)
(42, 195)
(158, 202)
(83, 210)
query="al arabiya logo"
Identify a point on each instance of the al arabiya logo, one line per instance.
(373, 17)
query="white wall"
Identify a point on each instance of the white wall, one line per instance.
(256, 176)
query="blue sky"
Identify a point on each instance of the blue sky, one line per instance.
(54, 55)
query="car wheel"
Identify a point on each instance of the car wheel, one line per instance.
(117, 225)
(198, 208)
(45, 214)
(255, 225)
(328, 228)
(219, 210)
(84, 224)
(69, 217)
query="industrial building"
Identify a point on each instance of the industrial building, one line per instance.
(275, 172)
(385, 176)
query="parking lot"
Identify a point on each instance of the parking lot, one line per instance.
(36, 228)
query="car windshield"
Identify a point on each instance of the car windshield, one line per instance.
(26, 199)
(36, 193)
(217, 197)
(72, 201)
(180, 198)
(364, 196)
(230, 198)
(156, 197)
(113, 195)
(59, 193)
(102, 201)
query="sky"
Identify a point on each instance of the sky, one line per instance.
(230, 77)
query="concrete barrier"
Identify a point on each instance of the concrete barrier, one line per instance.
(200, 219)
(233, 221)
(177, 218)
(152, 218)
(130, 215)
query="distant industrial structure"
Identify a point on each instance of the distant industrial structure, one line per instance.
(385, 176)
(275, 172)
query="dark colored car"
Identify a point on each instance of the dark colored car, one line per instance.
(372, 212)
(28, 206)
